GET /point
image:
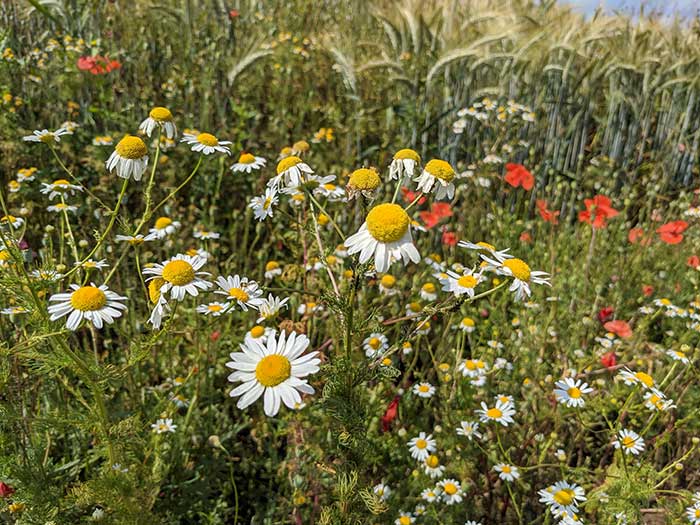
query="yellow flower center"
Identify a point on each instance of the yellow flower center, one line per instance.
(468, 321)
(506, 469)
(450, 488)
(466, 281)
(432, 461)
(440, 169)
(665, 302)
(494, 413)
(423, 388)
(207, 139)
(246, 158)
(178, 272)
(386, 361)
(215, 307)
(271, 265)
(486, 245)
(161, 114)
(414, 307)
(388, 281)
(60, 182)
(257, 331)
(470, 365)
(574, 392)
(131, 147)
(646, 379)
(387, 222)
(273, 370)
(680, 354)
(628, 442)
(429, 288)
(286, 163)
(564, 497)
(88, 299)
(4, 255)
(329, 187)
(163, 222)
(405, 520)
(407, 154)
(239, 294)
(374, 342)
(518, 268)
(421, 444)
(365, 179)
(47, 138)
(154, 289)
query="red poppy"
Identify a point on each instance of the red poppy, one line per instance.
(606, 314)
(608, 359)
(546, 214)
(430, 219)
(647, 289)
(441, 209)
(619, 328)
(518, 175)
(597, 212)
(449, 238)
(672, 232)
(5, 490)
(694, 261)
(409, 196)
(525, 237)
(635, 234)
(98, 64)
(390, 414)
(234, 13)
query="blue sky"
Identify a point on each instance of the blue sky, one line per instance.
(683, 7)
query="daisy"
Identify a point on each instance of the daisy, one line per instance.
(46, 275)
(693, 513)
(467, 324)
(484, 247)
(59, 187)
(179, 400)
(134, 240)
(248, 162)
(451, 491)
(422, 446)
(102, 140)
(61, 207)
(92, 264)
(469, 429)
(507, 472)
(376, 344)
(13, 186)
(655, 400)
(14, 310)
(387, 285)
(413, 308)
(95, 304)
(163, 227)
(274, 370)
(637, 378)
(386, 235)
(46, 136)
(473, 367)
(330, 191)
(262, 205)
(428, 292)
(432, 466)
(163, 425)
(429, 495)
(272, 270)
(206, 143)
(290, 172)
(180, 276)
(246, 294)
(502, 413)
(26, 174)
(214, 309)
(461, 284)
(161, 308)
(678, 355)
(129, 158)
(300, 147)
(570, 392)
(521, 273)
(159, 117)
(562, 497)
(405, 518)
(629, 441)
(363, 181)
(440, 172)
(425, 390)
(382, 491)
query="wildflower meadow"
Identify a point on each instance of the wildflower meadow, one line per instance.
(348, 262)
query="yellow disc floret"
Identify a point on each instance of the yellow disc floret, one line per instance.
(564, 497)
(154, 289)
(388, 281)
(406, 153)
(494, 413)
(387, 222)
(131, 147)
(273, 370)
(239, 294)
(161, 114)
(467, 281)
(88, 299)
(163, 222)
(257, 331)
(207, 139)
(450, 488)
(246, 158)
(518, 268)
(574, 392)
(364, 179)
(432, 461)
(286, 163)
(440, 169)
(178, 272)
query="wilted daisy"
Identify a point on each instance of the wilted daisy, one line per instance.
(274, 371)
(59, 187)
(290, 172)
(451, 491)
(262, 206)
(129, 158)
(405, 518)
(46, 136)
(214, 309)
(422, 446)
(629, 441)
(206, 143)
(248, 162)
(425, 390)
(163, 227)
(375, 345)
(387, 285)
(159, 117)
(61, 207)
(246, 294)
(469, 429)
(428, 292)
(26, 174)
(363, 181)
(439, 174)
(637, 378)
(562, 497)
(507, 472)
(404, 164)
(432, 466)
(386, 235)
(501, 413)
(382, 491)
(97, 305)
(521, 273)
(163, 425)
(570, 392)
(180, 276)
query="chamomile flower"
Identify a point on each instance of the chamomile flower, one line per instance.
(291, 171)
(248, 162)
(422, 446)
(467, 325)
(239, 290)
(693, 513)
(206, 143)
(92, 264)
(102, 140)
(270, 307)
(655, 400)
(429, 495)
(129, 158)
(386, 235)
(428, 292)
(501, 413)
(26, 174)
(469, 429)
(375, 345)
(570, 392)
(180, 276)
(59, 187)
(462, 284)
(521, 273)
(678, 355)
(46, 136)
(159, 117)
(330, 191)
(97, 305)
(163, 227)
(46, 275)
(484, 248)
(387, 285)
(473, 367)
(439, 174)
(382, 491)
(215, 309)
(274, 370)
(61, 207)
(637, 378)
(262, 206)
(363, 181)
(451, 491)
(404, 164)
(14, 310)
(432, 466)
(629, 441)
(163, 425)
(425, 390)
(134, 240)
(562, 497)
(405, 518)
(507, 472)
(204, 234)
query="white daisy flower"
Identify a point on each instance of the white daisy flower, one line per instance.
(432, 466)
(467, 324)
(92, 264)
(206, 143)
(451, 491)
(484, 247)
(693, 513)
(290, 172)
(461, 284)
(248, 162)
(272, 270)
(428, 292)
(678, 355)
(655, 400)
(129, 158)
(429, 495)
(501, 413)
(179, 400)
(422, 446)
(163, 425)
(330, 190)
(507, 472)
(469, 429)
(203, 234)
(473, 367)
(387, 285)
(570, 392)
(159, 117)
(274, 370)
(46, 275)
(46, 136)
(61, 207)
(180, 276)
(439, 174)
(637, 378)
(521, 273)
(161, 308)
(163, 227)
(382, 491)
(215, 309)
(246, 294)
(59, 187)
(375, 345)
(14, 310)
(26, 174)
(405, 518)
(386, 235)
(562, 497)
(404, 164)
(425, 390)
(97, 305)
(260, 332)
(134, 240)
(629, 441)
(262, 206)
(102, 140)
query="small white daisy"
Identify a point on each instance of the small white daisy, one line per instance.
(382, 491)
(163, 227)
(422, 446)
(46, 136)
(206, 143)
(469, 429)
(61, 207)
(248, 162)
(432, 466)
(507, 472)
(629, 441)
(521, 273)
(97, 305)
(501, 413)
(215, 309)
(570, 392)
(404, 164)
(425, 390)
(159, 117)
(203, 234)
(291, 171)
(262, 205)
(375, 345)
(451, 491)
(163, 425)
(246, 294)
(562, 497)
(180, 276)
(270, 307)
(439, 174)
